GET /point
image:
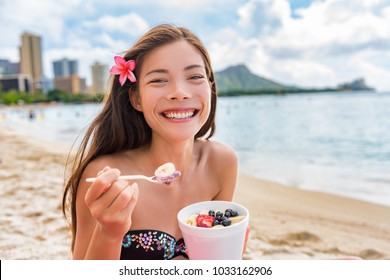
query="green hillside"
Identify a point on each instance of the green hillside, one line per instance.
(239, 78)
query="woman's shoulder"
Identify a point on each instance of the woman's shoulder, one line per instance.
(218, 151)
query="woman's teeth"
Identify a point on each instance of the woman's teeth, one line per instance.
(179, 115)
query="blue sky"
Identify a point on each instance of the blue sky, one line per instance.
(310, 43)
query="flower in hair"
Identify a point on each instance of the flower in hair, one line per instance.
(124, 69)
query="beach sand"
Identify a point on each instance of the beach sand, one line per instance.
(286, 223)
(31, 180)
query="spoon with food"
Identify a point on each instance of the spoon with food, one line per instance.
(164, 174)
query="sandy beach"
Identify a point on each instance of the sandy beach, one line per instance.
(286, 223)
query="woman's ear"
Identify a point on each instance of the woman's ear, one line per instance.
(135, 100)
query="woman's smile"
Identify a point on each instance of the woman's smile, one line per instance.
(180, 114)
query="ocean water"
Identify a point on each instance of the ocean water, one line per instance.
(330, 142)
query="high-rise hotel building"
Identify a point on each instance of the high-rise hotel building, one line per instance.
(99, 78)
(65, 67)
(66, 76)
(31, 58)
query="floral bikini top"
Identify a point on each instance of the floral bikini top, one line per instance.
(151, 245)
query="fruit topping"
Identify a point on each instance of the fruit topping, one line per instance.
(214, 218)
(204, 221)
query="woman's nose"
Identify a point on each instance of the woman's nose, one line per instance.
(179, 92)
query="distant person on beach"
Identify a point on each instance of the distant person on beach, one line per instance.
(31, 114)
(161, 108)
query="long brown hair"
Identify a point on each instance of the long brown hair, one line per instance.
(119, 126)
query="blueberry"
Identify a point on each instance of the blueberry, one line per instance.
(228, 214)
(234, 213)
(211, 213)
(216, 222)
(226, 222)
(218, 214)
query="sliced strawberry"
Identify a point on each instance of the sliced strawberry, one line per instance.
(204, 221)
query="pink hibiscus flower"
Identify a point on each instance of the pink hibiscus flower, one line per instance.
(124, 69)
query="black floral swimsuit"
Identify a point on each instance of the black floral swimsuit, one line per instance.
(151, 245)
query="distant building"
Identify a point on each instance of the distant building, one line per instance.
(3, 65)
(71, 84)
(65, 67)
(14, 68)
(19, 82)
(66, 77)
(31, 58)
(99, 78)
(7, 67)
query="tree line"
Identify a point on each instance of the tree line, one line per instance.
(14, 97)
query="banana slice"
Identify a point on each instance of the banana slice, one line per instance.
(237, 219)
(166, 173)
(218, 226)
(165, 170)
(192, 220)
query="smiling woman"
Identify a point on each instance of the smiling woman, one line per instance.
(161, 108)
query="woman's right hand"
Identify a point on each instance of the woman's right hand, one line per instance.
(112, 203)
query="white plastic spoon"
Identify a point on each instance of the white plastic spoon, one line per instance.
(165, 174)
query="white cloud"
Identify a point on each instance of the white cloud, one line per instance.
(258, 17)
(110, 43)
(43, 17)
(10, 53)
(304, 72)
(320, 47)
(180, 4)
(374, 67)
(131, 24)
(235, 50)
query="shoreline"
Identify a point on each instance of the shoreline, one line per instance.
(286, 223)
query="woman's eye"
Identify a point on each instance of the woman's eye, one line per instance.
(157, 81)
(196, 77)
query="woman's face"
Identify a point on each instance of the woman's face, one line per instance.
(174, 91)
